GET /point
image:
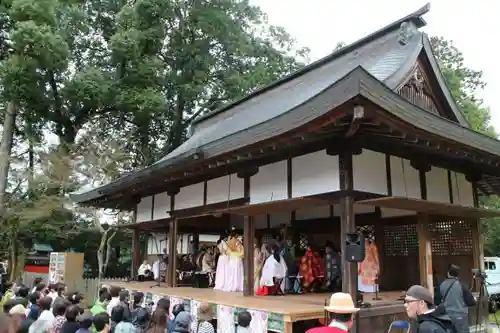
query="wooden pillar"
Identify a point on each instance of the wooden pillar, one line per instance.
(172, 241)
(172, 253)
(248, 260)
(424, 237)
(168, 274)
(166, 258)
(477, 244)
(136, 253)
(477, 232)
(425, 252)
(347, 223)
(380, 243)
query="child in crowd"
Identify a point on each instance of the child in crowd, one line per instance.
(33, 310)
(178, 308)
(59, 311)
(244, 319)
(86, 322)
(101, 322)
(101, 304)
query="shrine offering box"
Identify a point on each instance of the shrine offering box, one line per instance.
(65, 267)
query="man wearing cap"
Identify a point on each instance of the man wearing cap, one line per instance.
(419, 305)
(342, 311)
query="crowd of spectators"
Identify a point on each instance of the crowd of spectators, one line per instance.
(52, 309)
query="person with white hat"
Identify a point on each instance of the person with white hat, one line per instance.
(342, 311)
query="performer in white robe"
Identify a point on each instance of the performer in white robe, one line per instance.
(143, 270)
(221, 271)
(156, 268)
(234, 273)
(274, 268)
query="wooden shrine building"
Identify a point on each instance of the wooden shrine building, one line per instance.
(367, 139)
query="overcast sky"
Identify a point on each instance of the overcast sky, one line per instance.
(321, 24)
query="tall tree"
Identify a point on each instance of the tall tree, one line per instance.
(31, 44)
(128, 76)
(464, 83)
(175, 60)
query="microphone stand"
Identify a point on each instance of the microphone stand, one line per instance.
(376, 298)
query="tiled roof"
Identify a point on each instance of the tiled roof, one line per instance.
(385, 57)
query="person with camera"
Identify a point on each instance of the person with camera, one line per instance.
(456, 299)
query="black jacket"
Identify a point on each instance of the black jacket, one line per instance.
(436, 321)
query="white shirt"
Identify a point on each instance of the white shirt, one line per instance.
(53, 295)
(143, 268)
(204, 327)
(48, 316)
(43, 323)
(114, 302)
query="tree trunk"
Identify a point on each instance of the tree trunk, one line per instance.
(31, 158)
(104, 252)
(14, 258)
(108, 250)
(100, 253)
(5, 151)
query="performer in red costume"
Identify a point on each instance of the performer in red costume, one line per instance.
(341, 312)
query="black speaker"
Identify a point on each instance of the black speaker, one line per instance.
(354, 247)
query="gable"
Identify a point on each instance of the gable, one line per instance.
(425, 86)
(422, 88)
(418, 90)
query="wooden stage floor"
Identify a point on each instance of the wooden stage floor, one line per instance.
(292, 307)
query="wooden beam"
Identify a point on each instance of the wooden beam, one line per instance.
(430, 207)
(198, 211)
(440, 158)
(248, 258)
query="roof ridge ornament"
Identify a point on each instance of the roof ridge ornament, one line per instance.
(406, 31)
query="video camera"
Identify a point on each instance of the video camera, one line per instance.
(478, 274)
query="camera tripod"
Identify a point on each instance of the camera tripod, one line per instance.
(483, 292)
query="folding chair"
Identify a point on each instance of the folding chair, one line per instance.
(401, 324)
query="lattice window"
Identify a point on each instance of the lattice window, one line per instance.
(367, 230)
(268, 238)
(451, 238)
(400, 240)
(303, 242)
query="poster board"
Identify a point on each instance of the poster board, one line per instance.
(65, 267)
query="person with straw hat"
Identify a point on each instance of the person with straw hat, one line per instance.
(341, 312)
(206, 314)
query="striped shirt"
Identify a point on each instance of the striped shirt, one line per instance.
(204, 327)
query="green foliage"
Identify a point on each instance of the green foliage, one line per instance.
(118, 83)
(174, 60)
(464, 84)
